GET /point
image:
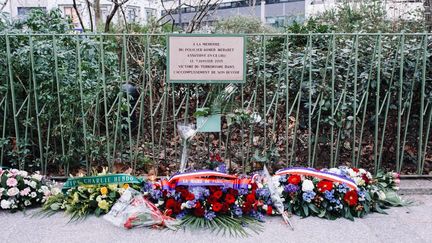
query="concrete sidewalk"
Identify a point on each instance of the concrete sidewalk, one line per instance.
(403, 224)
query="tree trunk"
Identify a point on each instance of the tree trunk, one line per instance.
(97, 10)
(428, 13)
(110, 17)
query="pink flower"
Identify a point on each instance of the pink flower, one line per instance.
(25, 191)
(11, 182)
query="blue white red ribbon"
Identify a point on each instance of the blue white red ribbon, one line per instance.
(318, 174)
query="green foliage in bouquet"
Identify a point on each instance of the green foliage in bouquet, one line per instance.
(84, 200)
(224, 224)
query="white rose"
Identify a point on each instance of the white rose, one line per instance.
(5, 204)
(359, 181)
(33, 194)
(307, 185)
(33, 184)
(23, 173)
(12, 191)
(37, 176)
(27, 203)
(55, 191)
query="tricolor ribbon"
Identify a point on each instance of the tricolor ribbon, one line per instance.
(318, 174)
(205, 178)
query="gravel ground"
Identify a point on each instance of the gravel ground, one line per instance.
(403, 224)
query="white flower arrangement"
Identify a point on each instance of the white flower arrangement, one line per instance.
(19, 189)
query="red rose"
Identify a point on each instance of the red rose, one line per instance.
(190, 197)
(180, 189)
(197, 204)
(250, 198)
(233, 192)
(355, 170)
(324, 185)
(366, 179)
(128, 224)
(269, 210)
(170, 203)
(254, 186)
(217, 194)
(177, 208)
(211, 199)
(213, 189)
(230, 199)
(199, 212)
(217, 206)
(351, 198)
(168, 212)
(247, 207)
(294, 179)
(225, 208)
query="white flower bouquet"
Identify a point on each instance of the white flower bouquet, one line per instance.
(19, 189)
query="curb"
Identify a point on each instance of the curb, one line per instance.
(416, 187)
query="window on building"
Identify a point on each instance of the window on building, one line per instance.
(24, 11)
(132, 14)
(150, 13)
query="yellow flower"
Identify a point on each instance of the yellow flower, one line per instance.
(104, 205)
(104, 190)
(125, 186)
(75, 198)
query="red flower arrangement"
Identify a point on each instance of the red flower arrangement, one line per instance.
(294, 179)
(325, 185)
(351, 198)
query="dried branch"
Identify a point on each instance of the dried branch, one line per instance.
(74, 5)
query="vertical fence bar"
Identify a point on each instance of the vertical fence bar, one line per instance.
(265, 92)
(422, 98)
(355, 100)
(128, 98)
(35, 87)
(310, 103)
(4, 125)
(377, 103)
(399, 119)
(83, 115)
(332, 99)
(287, 96)
(12, 89)
(60, 114)
(105, 100)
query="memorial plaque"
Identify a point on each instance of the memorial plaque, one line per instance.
(206, 59)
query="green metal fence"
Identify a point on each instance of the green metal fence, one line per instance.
(71, 101)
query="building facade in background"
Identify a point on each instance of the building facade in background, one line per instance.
(395, 9)
(273, 12)
(278, 12)
(135, 11)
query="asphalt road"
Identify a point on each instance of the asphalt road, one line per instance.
(403, 224)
